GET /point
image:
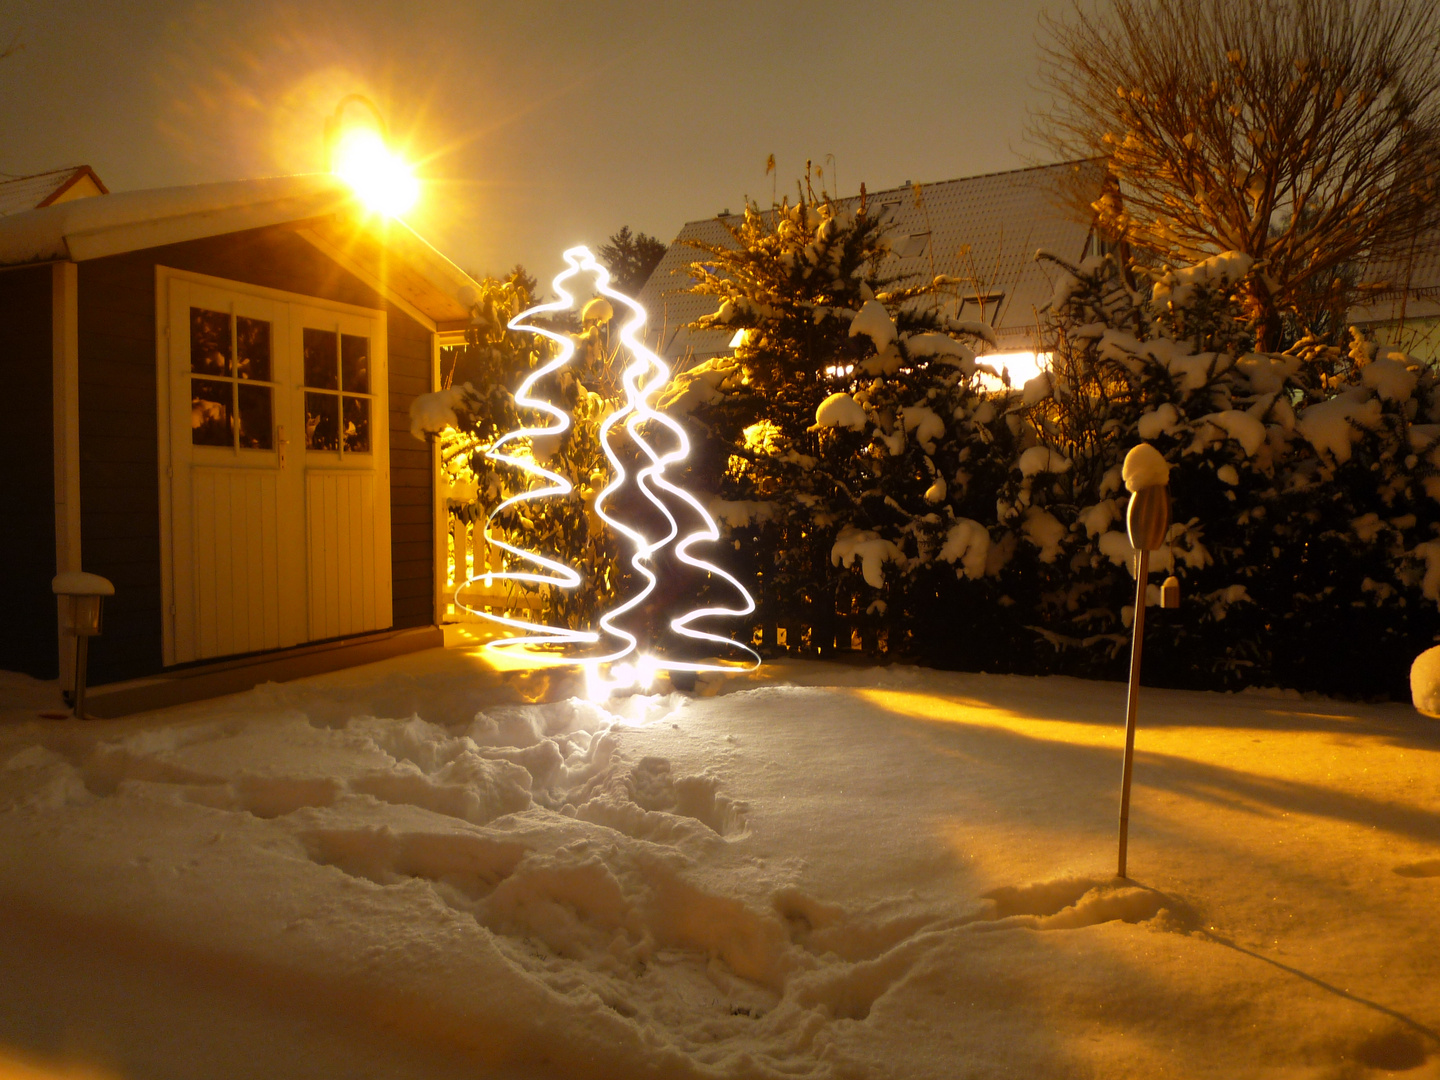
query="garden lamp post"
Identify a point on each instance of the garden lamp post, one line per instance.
(1147, 477)
(81, 608)
(334, 124)
(360, 154)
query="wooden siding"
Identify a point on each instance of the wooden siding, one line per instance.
(120, 509)
(27, 475)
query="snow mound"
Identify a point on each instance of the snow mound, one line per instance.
(1240, 426)
(597, 310)
(1145, 467)
(737, 513)
(432, 413)
(1038, 459)
(1072, 903)
(1425, 682)
(1159, 421)
(870, 549)
(703, 384)
(968, 543)
(1036, 390)
(841, 410)
(1332, 426)
(1045, 531)
(925, 423)
(874, 322)
(944, 346)
(1177, 287)
(1390, 378)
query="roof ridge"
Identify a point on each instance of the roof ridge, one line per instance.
(910, 187)
(15, 178)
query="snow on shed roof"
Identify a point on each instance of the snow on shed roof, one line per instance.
(21, 193)
(330, 216)
(981, 229)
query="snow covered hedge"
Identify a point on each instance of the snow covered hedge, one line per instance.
(893, 495)
(849, 417)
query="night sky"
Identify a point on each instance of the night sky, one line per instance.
(537, 125)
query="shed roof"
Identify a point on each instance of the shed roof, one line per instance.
(21, 193)
(982, 229)
(386, 253)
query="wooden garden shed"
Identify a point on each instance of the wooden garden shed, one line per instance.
(206, 400)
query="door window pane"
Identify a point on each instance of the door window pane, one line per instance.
(355, 363)
(209, 342)
(256, 416)
(322, 364)
(210, 411)
(252, 350)
(322, 421)
(357, 425)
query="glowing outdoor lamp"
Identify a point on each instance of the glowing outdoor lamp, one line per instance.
(81, 610)
(1147, 476)
(361, 156)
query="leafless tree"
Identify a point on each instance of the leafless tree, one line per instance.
(1304, 133)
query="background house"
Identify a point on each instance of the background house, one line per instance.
(983, 230)
(206, 401)
(34, 192)
(1406, 315)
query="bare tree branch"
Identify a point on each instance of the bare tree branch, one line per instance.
(1304, 133)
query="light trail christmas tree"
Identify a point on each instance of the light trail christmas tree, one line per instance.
(654, 628)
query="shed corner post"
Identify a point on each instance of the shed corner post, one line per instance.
(65, 402)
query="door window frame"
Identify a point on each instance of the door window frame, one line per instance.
(377, 457)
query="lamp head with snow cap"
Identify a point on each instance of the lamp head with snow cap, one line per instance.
(1147, 478)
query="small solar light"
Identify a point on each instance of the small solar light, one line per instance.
(1170, 592)
(81, 614)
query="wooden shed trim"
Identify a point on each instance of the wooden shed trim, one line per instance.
(375, 281)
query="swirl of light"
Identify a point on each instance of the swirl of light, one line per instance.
(551, 572)
(644, 376)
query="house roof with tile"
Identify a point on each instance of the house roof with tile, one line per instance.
(19, 193)
(1412, 285)
(984, 230)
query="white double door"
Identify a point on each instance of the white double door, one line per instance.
(274, 460)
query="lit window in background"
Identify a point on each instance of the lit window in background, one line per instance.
(1022, 366)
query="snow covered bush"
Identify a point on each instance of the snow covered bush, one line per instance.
(1304, 486)
(878, 488)
(848, 424)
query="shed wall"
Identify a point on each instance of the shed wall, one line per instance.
(27, 475)
(119, 464)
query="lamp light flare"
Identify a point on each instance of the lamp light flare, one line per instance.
(646, 375)
(379, 177)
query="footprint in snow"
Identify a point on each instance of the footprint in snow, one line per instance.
(1071, 903)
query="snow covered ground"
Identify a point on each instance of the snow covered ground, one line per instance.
(411, 870)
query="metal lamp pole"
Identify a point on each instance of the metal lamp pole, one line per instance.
(1147, 522)
(334, 120)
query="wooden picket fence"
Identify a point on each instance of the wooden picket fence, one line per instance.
(470, 556)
